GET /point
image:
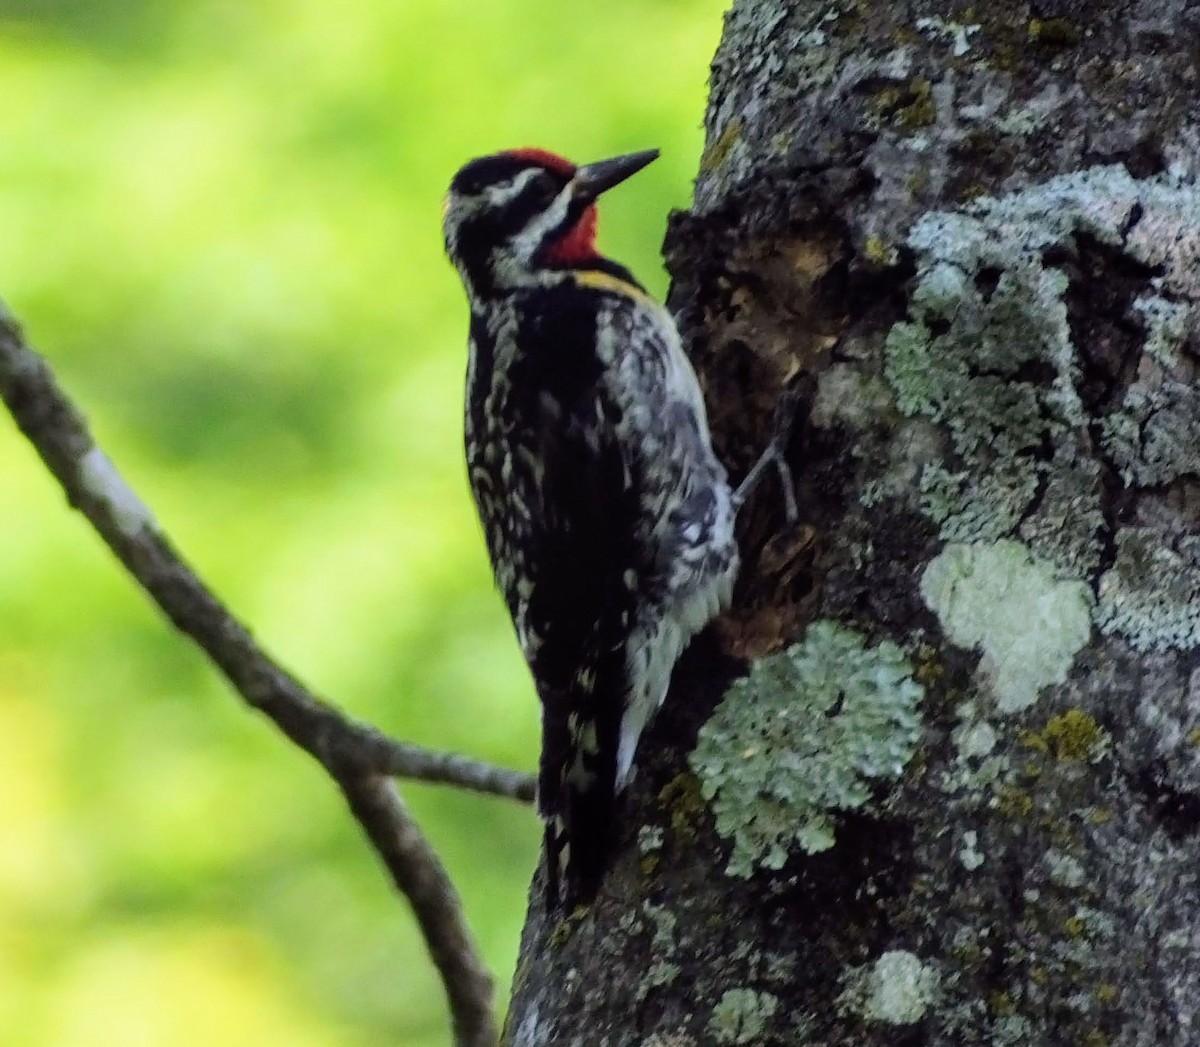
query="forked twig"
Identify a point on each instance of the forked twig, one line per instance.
(358, 757)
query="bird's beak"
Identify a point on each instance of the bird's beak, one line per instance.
(593, 179)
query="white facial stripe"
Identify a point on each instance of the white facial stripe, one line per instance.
(531, 237)
(502, 192)
(511, 260)
(458, 209)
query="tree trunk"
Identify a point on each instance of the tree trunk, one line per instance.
(956, 799)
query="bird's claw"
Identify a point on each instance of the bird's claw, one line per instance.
(775, 454)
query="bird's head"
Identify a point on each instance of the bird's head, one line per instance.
(517, 217)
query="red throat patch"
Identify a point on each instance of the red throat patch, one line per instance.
(577, 244)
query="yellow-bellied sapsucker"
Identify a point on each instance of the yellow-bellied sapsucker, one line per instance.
(609, 519)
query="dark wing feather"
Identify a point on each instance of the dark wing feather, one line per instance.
(581, 487)
(579, 612)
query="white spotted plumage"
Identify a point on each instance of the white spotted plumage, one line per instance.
(608, 518)
(693, 540)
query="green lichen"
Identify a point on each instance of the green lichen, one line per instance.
(685, 805)
(650, 843)
(1001, 600)
(664, 922)
(1019, 121)
(1014, 803)
(560, 935)
(977, 509)
(969, 853)
(741, 1016)
(907, 105)
(879, 251)
(660, 973)
(917, 182)
(1065, 870)
(898, 988)
(1075, 736)
(718, 152)
(957, 361)
(1053, 32)
(809, 732)
(1013, 1030)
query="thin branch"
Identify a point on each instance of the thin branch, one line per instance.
(418, 873)
(356, 755)
(404, 760)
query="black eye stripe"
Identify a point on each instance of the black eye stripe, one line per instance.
(544, 187)
(485, 225)
(497, 224)
(518, 212)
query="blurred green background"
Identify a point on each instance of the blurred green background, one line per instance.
(219, 219)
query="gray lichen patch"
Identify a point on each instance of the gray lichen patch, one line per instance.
(957, 33)
(741, 1016)
(763, 48)
(988, 354)
(957, 363)
(999, 599)
(1155, 438)
(809, 732)
(1064, 870)
(1166, 325)
(650, 839)
(1151, 596)
(978, 764)
(898, 988)
(669, 1039)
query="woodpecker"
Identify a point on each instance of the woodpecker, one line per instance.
(607, 516)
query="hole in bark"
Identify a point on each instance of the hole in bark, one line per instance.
(831, 289)
(1178, 812)
(1107, 334)
(880, 591)
(1114, 501)
(938, 326)
(869, 853)
(1035, 372)
(986, 281)
(1143, 160)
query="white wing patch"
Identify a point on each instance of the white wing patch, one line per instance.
(680, 475)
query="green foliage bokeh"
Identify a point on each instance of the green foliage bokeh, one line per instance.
(220, 222)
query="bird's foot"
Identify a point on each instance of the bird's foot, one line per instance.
(775, 455)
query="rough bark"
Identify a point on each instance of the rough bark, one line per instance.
(962, 806)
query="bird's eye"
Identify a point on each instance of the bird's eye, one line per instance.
(543, 189)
